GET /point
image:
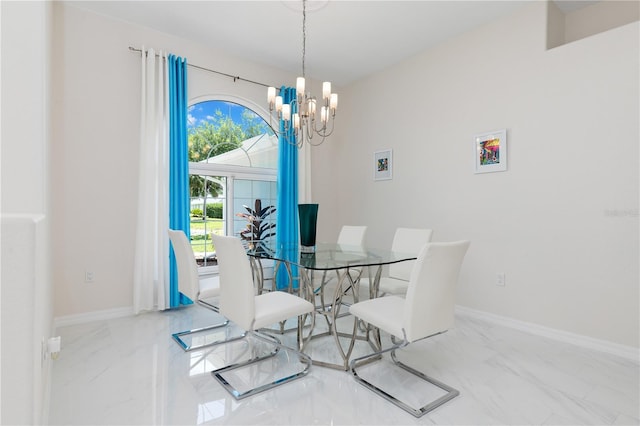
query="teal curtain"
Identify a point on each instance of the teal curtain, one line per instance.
(178, 166)
(287, 204)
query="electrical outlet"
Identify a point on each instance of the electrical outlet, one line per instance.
(501, 279)
(89, 277)
(53, 347)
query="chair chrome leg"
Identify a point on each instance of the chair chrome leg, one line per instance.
(451, 392)
(305, 359)
(419, 412)
(178, 337)
(209, 305)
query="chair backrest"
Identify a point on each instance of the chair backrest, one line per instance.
(352, 235)
(430, 299)
(237, 293)
(188, 280)
(407, 240)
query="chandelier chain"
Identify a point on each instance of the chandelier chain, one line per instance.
(304, 34)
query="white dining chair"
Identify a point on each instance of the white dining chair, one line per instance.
(198, 290)
(426, 311)
(352, 235)
(251, 312)
(405, 240)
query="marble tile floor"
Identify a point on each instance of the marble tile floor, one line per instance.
(128, 371)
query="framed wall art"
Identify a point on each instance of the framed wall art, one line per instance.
(490, 151)
(383, 165)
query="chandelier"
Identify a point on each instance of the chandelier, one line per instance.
(300, 113)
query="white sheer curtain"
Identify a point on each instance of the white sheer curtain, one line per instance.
(151, 264)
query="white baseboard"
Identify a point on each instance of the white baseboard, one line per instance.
(627, 352)
(107, 314)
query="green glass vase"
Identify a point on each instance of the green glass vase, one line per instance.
(308, 215)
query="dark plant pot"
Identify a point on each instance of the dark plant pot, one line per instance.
(308, 214)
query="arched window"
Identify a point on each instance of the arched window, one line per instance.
(233, 159)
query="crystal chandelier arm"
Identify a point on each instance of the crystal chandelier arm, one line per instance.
(323, 131)
(283, 114)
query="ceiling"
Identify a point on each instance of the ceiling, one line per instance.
(346, 40)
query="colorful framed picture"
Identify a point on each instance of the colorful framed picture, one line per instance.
(490, 151)
(383, 165)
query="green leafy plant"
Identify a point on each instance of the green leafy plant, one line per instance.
(258, 229)
(214, 210)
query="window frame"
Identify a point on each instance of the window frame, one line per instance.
(230, 172)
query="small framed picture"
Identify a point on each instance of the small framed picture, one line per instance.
(490, 151)
(383, 165)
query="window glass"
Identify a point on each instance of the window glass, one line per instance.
(208, 201)
(233, 158)
(222, 132)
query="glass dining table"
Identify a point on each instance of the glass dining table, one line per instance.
(297, 272)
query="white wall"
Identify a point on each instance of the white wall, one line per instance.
(25, 98)
(26, 312)
(26, 318)
(562, 222)
(95, 156)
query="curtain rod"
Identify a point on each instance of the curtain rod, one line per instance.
(235, 78)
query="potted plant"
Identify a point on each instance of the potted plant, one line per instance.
(258, 228)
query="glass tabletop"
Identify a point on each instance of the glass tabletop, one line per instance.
(328, 256)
